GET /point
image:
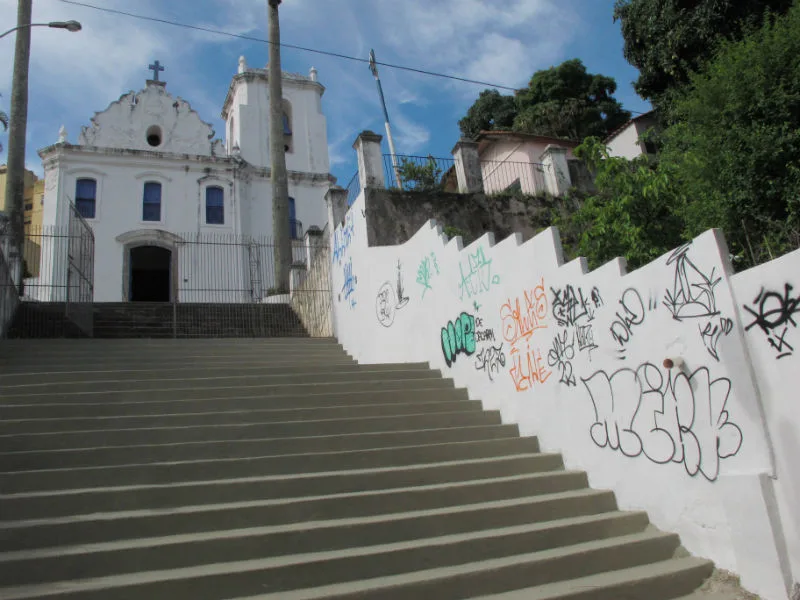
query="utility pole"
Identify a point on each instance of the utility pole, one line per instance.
(18, 120)
(374, 68)
(277, 151)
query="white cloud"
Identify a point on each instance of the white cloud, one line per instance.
(73, 75)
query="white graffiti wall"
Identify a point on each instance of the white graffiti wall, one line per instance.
(645, 380)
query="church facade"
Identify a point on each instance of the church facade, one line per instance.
(151, 180)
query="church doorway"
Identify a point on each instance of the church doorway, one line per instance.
(150, 274)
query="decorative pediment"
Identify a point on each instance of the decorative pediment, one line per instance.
(151, 120)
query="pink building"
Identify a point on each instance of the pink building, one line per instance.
(513, 160)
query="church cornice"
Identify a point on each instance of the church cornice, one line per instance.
(252, 75)
(54, 153)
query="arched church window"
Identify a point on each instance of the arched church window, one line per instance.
(151, 201)
(215, 205)
(86, 197)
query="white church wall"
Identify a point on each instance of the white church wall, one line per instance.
(577, 359)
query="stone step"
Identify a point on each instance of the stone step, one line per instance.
(94, 376)
(64, 503)
(119, 526)
(257, 430)
(265, 415)
(464, 540)
(39, 408)
(286, 575)
(665, 580)
(373, 373)
(286, 464)
(192, 390)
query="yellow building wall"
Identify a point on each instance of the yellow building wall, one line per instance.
(32, 204)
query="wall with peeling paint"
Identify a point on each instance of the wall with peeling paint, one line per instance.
(646, 380)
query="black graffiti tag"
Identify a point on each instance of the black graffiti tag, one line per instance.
(774, 313)
(681, 418)
(632, 314)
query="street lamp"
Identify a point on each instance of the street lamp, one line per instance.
(18, 121)
(72, 26)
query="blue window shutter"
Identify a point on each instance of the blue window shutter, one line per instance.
(287, 127)
(86, 198)
(292, 219)
(215, 205)
(151, 204)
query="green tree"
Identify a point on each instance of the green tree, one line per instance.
(736, 142)
(420, 177)
(564, 101)
(491, 110)
(567, 101)
(667, 40)
(634, 212)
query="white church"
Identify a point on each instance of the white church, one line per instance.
(151, 179)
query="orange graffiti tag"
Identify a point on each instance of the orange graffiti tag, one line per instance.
(519, 323)
(521, 317)
(528, 368)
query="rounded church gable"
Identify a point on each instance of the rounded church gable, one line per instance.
(150, 120)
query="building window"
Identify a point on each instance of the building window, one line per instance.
(287, 126)
(86, 197)
(215, 205)
(29, 206)
(151, 202)
(295, 226)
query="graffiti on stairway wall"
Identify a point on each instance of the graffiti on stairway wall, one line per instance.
(521, 318)
(428, 269)
(665, 416)
(342, 238)
(774, 311)
(350, 282)
(490, 360)
(458, 337)
(574, 311)
(391, 298)
(693, 296)
(630, 314)
(476, 275)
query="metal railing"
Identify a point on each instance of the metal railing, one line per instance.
(57, 280)
(225, 285)
(420, 173)
(353, 189)
(503, 176)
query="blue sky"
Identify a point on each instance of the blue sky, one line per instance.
(73, 75)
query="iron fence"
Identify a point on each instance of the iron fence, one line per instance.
(353, 189)
(57, 288)
(420, 173)
(226, 285)
(502, 176)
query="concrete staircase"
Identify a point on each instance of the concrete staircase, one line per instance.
(282, 470)
(158, 320)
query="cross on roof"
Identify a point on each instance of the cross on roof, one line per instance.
(156, 68)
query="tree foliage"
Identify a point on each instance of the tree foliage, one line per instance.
(564, 101)
(567, 101)
(491, 110)
(633, 213)
(736, 142)
(420, 176)
(730, 160)
(667, 40)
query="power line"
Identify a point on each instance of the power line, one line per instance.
(292, 46)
